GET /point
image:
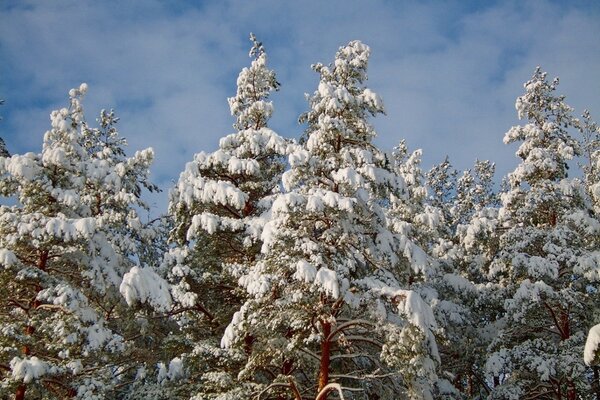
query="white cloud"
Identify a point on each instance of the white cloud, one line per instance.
(448, 75)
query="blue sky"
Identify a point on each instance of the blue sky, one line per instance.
(448, 72)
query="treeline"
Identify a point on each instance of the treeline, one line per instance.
(318, 268)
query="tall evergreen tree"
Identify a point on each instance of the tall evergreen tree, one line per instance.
(3, 150)
(327, 308)
(219, 207)
(545, 225)
(64, 249)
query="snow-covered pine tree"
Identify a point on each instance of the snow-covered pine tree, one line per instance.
(472, 307)
(459, 197)
(591, 154)
(467, 207)
(422, 227)
(64, 248)
(543, 267)
(474, 191)
(3, 150)
(412, 214)
(441, 181)
(327, 308)
(451, 286)
(218, 207)
(591, 264)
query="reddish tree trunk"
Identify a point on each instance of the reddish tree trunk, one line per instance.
(325, 357)
(287, 367)
(571, 391)
(20, 393)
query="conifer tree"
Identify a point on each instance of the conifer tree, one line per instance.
(418, 219)
(327, 309)
(545, 227)
(219, 207)
(3, 150)
(591, 263)
(471, 308)
(441, 181)
(64, 249)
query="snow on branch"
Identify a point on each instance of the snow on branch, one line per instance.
(590, 352)
(145, 286)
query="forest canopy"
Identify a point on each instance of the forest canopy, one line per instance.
(318, 268)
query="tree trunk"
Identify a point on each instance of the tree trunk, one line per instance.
(571, 390)
(20, 393)
(325, 357)
(596, 382)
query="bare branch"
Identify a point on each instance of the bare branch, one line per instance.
(349, 324)
(322, 395)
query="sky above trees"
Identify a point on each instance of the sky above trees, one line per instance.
(448, 74)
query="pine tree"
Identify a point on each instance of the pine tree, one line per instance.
(472, 308)
(441, 180)
(64, 248)
(474, 191)
(3, 150)
(591, 154)
(591, 170)
(326, 309)
(545, 231)
(219, 208)
(420, 221)
(422, 226)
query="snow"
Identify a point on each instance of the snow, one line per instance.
(192, 187)
(75, 366)
(28, 369)
(205, 221)
(314, 204)
(589, 266)
(172, 372)
(348, 176)
(162, 373)
(305, 272)
(416, 255)
(7, 258)
(146, 286)
(256, 282)
(591, 346)
(458, 283)
(496, 362)
(231, 332)
(327, 279)
(479, 225)
(97, 336)
(416, 310)
(85, 227)
(24, 166)
(372, 99)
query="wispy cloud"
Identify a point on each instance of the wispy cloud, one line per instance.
(448, 72)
